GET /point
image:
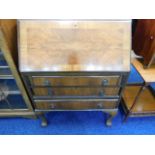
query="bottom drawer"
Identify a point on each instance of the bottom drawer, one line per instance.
(76, 105)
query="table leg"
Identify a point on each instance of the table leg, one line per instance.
(134, 102)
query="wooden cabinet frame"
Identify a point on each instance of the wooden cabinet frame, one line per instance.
(8, 45)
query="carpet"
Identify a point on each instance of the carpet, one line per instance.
(78, 123)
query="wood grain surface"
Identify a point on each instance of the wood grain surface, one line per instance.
(144, 40)
(76, 81)
(75, 92)
(9, 29)
(76, 105)
(145, 102)
(55, 45)
(147, 74)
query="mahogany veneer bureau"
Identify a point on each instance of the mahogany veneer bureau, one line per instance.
(74, 64)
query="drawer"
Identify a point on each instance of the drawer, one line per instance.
(76, 80)
(76, 91)
(76, 105)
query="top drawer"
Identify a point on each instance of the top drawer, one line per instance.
(75, 80)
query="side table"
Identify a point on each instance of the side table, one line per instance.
(138, 97)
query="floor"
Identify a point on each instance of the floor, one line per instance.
(83, 123)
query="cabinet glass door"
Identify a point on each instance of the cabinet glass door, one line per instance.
(10, 96)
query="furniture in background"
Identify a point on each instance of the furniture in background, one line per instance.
(14, 100)
(74, 65)
(144, 40)
(138, 96)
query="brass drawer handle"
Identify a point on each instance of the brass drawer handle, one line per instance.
(50, 91)
(100, 105)
(101, 93)
(151, 37)
(52, 106)
(105, 82)
(47, 82)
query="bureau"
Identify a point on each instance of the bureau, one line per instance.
(74, 64)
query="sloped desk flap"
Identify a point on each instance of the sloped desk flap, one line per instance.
(69, 45)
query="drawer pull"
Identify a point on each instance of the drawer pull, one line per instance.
(101, 93)
(151, 37)
(100, 105)
(47, 83)
(105, 82)
(52, 106)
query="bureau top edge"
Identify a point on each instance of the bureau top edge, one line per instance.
(105, 20)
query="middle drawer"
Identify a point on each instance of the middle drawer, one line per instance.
(76, 91)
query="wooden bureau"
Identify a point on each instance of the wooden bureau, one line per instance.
(74, 64)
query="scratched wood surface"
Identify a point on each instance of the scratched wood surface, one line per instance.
(55, 45)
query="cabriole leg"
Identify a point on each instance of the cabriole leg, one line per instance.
(43, 120)
(109, 119)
